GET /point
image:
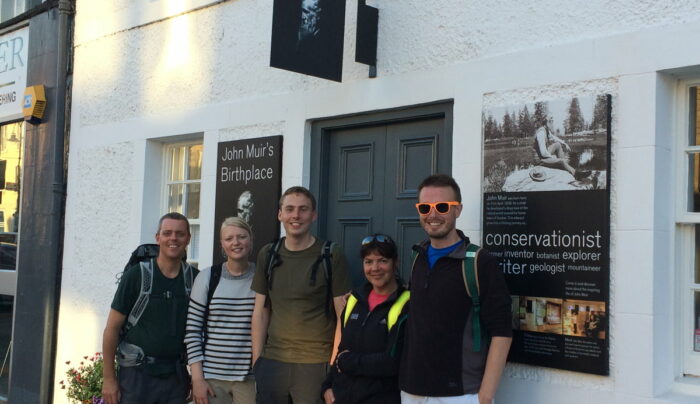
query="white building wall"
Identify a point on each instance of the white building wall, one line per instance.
(150, 72)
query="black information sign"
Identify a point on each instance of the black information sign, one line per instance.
(547, 219)
(248, 185)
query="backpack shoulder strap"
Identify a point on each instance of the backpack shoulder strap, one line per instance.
(396, 308)
(414, 257)
(144, 294)
(272, 260)
(327, 256)
(214, 278)
(470, 275)
(349, 306)
(187, 277)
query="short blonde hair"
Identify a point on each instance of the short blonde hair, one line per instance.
(236, 222)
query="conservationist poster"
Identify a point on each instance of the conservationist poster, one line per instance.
(248, 185)
(546, 217)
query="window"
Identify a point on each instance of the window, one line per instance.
(11, 152)
(13, 8)
(183, 177)
(688, 227)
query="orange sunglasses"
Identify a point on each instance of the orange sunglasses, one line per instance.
(440, 207)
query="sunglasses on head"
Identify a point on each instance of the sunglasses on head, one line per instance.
(440, 207)
(380, 238)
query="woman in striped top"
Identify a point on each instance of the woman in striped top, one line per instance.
(220, 351)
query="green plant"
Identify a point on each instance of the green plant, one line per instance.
(84, 384)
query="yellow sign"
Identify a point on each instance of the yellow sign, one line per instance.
(34, 104)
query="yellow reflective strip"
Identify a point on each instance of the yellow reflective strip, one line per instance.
(396, 308)
(352, 300)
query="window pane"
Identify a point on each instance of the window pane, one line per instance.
(193, 253)
(696, 332)
(192, 201)
(177, 161)
(11, 8)
(10, 172)
(694, 182)
(195, 162)
(696, 278)
(6, 303)
(694, 127)
(175, 197)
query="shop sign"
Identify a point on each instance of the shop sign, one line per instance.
(248, 185)
(307, 37)
(546, 218)
(13, 72)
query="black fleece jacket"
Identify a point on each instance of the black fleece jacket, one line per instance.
(438, 358)
(368, 372)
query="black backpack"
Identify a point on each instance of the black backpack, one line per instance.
(144, 256)
(273, 261)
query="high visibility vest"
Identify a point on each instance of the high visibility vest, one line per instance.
(394, 311)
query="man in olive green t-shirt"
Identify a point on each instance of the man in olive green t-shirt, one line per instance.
(294, 331)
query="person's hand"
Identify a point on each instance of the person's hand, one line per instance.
(201, 390)
(328, 396)
(566, 147)
(110, 390)
(484, 400)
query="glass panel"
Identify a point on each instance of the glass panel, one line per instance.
(694, 182)
(693, 127)
(177, 163)
(6, 304)
(175, 197)
(696, 279)
(696, 317)
(192, 201)
(193, 253)
(195, 162)
(10, 181)
(11, 8)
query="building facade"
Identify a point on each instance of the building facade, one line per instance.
(35, 45)
(159, 85)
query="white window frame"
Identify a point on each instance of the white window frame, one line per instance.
(193, 255)
(685, 224)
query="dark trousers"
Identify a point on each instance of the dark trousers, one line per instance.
(139, 387)
(284, 383)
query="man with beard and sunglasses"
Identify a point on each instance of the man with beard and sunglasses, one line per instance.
(441, 362)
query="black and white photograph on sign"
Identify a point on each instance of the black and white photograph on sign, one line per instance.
(248, 185)
(555, 145)
(307, 37)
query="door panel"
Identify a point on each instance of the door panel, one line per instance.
(373, 176)
(355, 188)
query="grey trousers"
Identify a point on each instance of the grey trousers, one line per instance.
(284, 383)
(139, 387)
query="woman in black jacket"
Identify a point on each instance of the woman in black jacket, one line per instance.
(366, 367)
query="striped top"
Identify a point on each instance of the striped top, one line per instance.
(228, 351)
